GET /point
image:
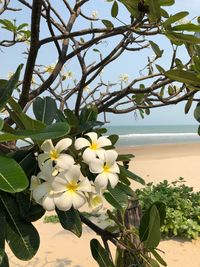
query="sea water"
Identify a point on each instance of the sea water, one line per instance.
(154, 134)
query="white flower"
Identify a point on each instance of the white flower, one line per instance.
(86, 89)
(62, 160)
(49, 68)
(42, 192)
(94, 14)
(106, 168)
(68, 75)
(94, 146)
(124, 78)
(95, 201)
(70, 189)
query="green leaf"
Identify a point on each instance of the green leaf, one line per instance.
(22, 237)
(152, 262)
(2, 234)
(156, 49)
(100, 254)
(70, 220)
(131, 6)
(197, 112)
(107, 23)
(12, 177)
(1, 124)
(53, 131)
(125, 172)
(175, 18)
(45, 109)
(4, 262)
(160, 69)
(158, 257)
(149, 230)
(7, 90)
(188, 104)
(113, 138)
(183, 38)
(71, 118)
(21, 26)
(125, 157)
(166, 2)
(117, 197)
(187, 27)
(29, 210)
(154, 10)
(22, 120)
(183, 76)
(27, 160)
(115, 9)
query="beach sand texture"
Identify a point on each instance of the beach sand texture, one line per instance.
(60, 248)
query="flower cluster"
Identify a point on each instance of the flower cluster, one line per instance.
(60, 182)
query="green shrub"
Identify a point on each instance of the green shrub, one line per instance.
(182, 207)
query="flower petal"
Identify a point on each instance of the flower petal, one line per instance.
(84, 186)
(103, 141)
(113, 179)
(78, 200)
(89, 155)
(47, 170)
(73, 174)
(41, 190)
(35, 181)
(96, 165)
(101, 180)
(63, 144)
(59, 184)
(110, 157)
(114, 168)
(81, 143)
(48, 203)
(93, 136)
(64, 161)
(100, 152)
(47, 146)
(42, 158)
(64, 201)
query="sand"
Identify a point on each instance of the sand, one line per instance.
(60, 248)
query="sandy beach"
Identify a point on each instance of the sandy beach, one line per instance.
(60, 248)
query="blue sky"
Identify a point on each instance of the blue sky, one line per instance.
(167, 115)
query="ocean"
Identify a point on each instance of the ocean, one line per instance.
(155, 134)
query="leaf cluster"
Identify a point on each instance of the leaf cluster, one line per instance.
(182, 207)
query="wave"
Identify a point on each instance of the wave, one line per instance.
(141, 135)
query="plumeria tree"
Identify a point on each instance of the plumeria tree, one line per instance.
(53, 151)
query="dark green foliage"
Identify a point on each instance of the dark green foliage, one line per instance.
(100, 254)
(182, 207)
(70, 220)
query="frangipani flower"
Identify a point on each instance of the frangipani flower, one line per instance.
(42, 192)
(94, 146)
(70, 189)
(106, 168)
(54, 153)
(95, 201)
(124, 78)
(50, 68)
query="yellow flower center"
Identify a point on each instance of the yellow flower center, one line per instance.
(94, 146)
(106, 168)
(54, 154)
(72, 187)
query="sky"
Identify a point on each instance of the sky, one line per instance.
(165, 116)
